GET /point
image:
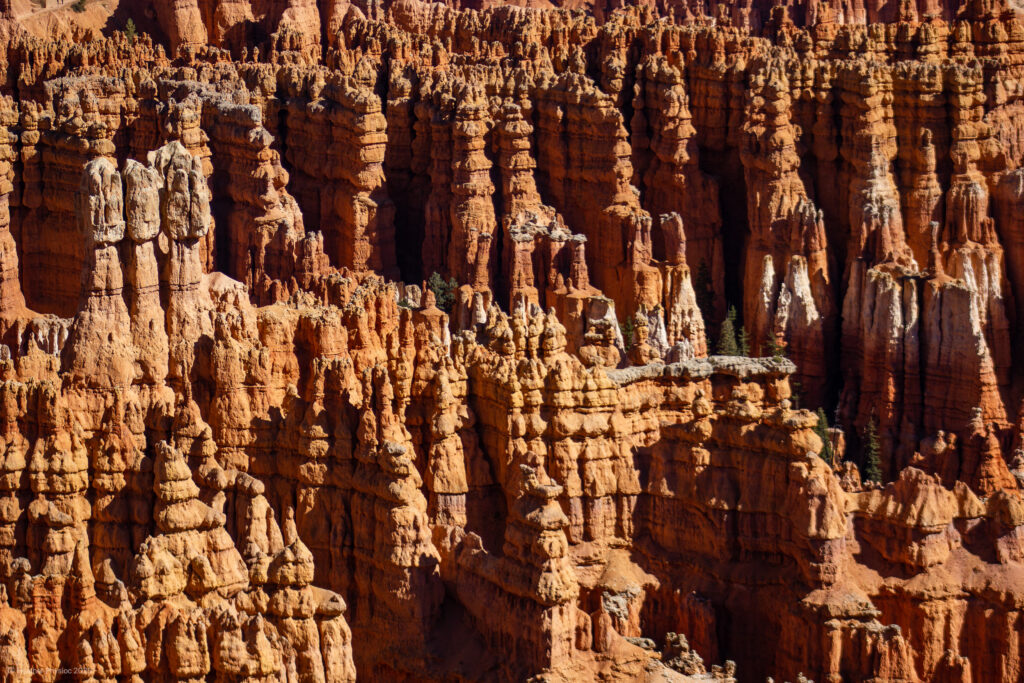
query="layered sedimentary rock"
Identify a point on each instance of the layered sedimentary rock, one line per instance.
(379, 340)
(787, 263)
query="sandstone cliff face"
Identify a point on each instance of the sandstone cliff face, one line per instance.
(244, 431)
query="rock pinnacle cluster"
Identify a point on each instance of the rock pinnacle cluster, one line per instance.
(392, 340)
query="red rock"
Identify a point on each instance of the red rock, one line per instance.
(231, 438)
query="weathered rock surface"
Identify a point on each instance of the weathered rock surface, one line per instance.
(378, 339)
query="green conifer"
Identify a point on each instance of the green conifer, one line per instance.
(821, 429)
(444, 292)
(872, 453)
(727, 345)
(744, 341)
(773, 347)
(626, 329)
(705, 293)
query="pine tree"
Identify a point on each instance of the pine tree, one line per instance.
(626, 329)
(872, 452)
(821, 429)
(702, 288)
(744, 342)
(130, 30)
(444, 292)
(773, 347)
(727, 345)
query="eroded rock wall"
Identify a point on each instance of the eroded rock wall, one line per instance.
(246, 431)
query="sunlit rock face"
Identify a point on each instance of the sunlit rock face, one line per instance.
(408, 341)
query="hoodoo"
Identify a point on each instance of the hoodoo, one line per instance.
(399, 340)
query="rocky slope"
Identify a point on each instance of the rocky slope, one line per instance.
(380, 341)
